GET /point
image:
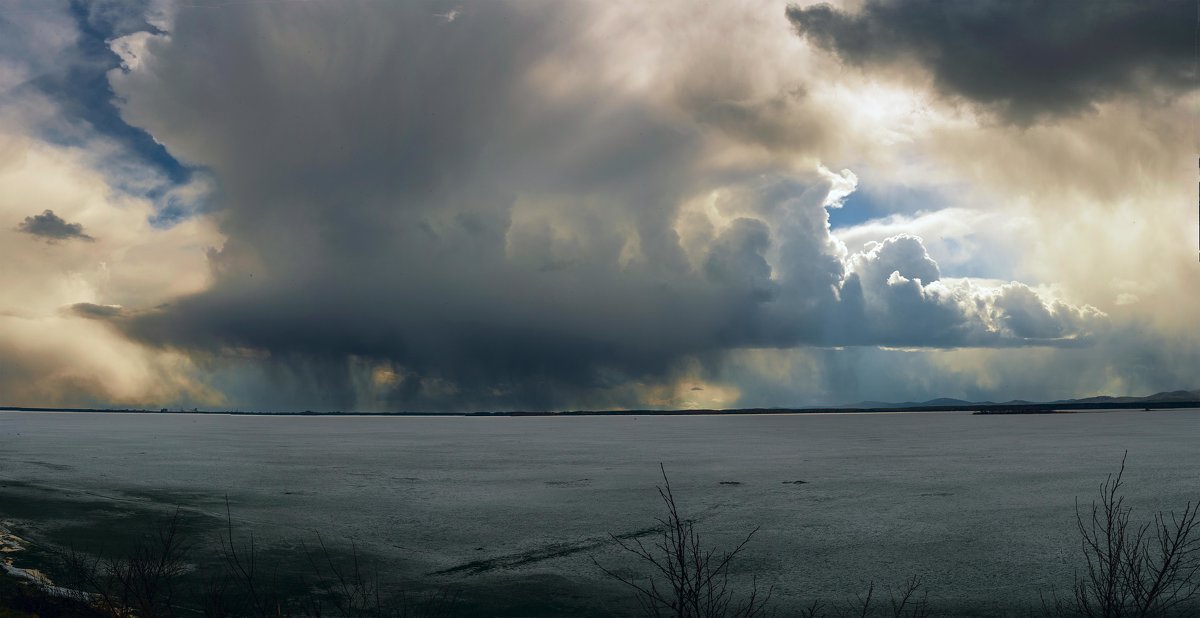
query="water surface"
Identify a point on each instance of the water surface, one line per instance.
(981, 507)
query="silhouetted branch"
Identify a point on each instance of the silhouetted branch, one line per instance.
(687, 580)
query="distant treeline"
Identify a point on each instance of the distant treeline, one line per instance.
(980, 408)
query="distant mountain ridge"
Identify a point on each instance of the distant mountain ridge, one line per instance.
(1164, 400)
(944, 402)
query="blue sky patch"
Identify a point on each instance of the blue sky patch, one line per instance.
(873, 202)
(78, 83)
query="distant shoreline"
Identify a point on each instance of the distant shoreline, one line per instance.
(984, 409)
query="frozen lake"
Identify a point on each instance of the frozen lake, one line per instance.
(982, 507)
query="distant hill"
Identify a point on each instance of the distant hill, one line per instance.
(936, 403)
(1166, 396)
(946, 402)
(1172, 399)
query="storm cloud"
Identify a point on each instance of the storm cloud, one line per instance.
(52, 228)
(1025, 59)
(440, 213)
(495, 205)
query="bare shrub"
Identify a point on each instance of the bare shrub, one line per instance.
(141, 582)
(242, 589)
(688, 579)
(329, 588)
(1130, 569)
(910, 600)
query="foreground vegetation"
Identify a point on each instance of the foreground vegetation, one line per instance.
(1126, 568)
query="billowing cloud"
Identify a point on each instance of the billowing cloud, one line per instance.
(1023, 59)
(52, 228)
(493, 205)
(486, 236)
(896, 292)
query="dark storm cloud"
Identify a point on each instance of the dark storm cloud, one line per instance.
(94, 311)
(1023, 58)
(52, 228)
(412, 207)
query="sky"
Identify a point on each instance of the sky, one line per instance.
(491, 205)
